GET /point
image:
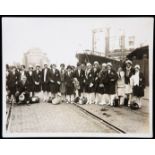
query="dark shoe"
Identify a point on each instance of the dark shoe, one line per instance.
(28, 103)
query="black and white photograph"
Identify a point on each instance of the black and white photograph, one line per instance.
(77, 76)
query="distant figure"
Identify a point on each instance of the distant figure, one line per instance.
(138, 85)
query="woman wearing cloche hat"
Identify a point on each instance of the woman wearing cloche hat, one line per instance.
(138, 84)
(129, 71)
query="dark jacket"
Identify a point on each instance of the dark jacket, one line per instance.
(139, 90)
(23, 87)
(96, 79)
(54, 81)
(89, 78)
(12, 82)
(110, 79)
(80, 77)
(30, 81)
(37, 77)
(69, 83)
(127, 77)
(47, 79)
(102, 81)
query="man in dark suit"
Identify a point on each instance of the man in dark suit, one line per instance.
(45, 82)
(54, 80)
(80, 75)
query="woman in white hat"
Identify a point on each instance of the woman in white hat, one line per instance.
(111, 79)
(45, 82)
(100, 95)
(89, 84)
(129, 71)
(96, 70)
(69, 83)
(138, 85)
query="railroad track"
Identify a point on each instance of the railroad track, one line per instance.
(104, 122)
(9, 116)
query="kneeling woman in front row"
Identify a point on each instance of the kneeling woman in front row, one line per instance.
(138, 84)
(22, 93)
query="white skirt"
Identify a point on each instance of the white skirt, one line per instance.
(128, 89)
(121, 91)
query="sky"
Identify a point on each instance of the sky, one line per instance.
(61, 38)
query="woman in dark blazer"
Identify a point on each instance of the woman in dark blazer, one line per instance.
(69, 76)
(45, 82)
(89, 84)
(54, 80)
(62, 80)
(101, 84)
(12, 82)
(30, 81)
(37, 79)
(80, 75)
(110, 86)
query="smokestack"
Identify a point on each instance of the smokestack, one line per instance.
(122, 41)
(131, 42)
(107, 38)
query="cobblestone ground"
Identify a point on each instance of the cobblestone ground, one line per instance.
(45, 117)
(131, 121)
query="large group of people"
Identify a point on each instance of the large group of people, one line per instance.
(98, 83)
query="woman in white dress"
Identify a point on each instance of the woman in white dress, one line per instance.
(120, 86)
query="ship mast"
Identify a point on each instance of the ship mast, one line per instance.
(94, 31)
